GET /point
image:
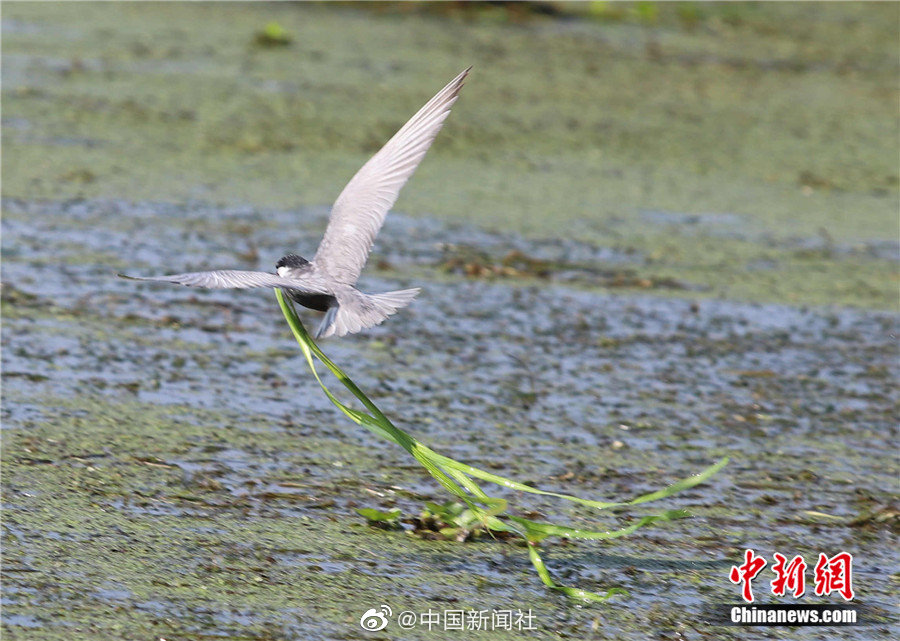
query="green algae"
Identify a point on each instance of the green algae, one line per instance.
(102, 520)
(565, 129)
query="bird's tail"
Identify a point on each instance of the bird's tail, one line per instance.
(356, 311)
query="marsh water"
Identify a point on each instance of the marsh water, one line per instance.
(172, 470)
(182, 431)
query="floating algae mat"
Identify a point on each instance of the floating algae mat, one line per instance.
(490, 513)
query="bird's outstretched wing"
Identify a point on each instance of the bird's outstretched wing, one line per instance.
(359, 211)
(236, 279)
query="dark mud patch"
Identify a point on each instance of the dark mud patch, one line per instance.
(171, 469)
(473, 263)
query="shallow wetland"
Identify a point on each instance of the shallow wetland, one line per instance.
(614, 297)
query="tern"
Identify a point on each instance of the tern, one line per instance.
(327, 282)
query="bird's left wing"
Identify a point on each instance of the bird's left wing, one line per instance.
(236, 279)
(359, 211)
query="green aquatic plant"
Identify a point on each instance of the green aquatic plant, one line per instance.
(480, 509)
(272, 35)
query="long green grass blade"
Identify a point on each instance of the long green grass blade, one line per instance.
(681, 485)
(575, 593)
(379, 423)
(538, 531)
(600, 505)
(457, 477)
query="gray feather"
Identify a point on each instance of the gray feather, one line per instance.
(359, 211)
(237, 279)
(356, 311)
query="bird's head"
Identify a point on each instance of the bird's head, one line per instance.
(291, 261)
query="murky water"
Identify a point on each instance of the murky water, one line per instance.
(168, 453)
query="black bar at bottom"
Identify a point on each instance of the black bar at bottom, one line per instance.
(793, 614)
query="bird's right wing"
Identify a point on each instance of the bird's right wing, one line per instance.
(236, 279)
(359, 211)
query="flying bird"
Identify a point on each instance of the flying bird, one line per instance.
(327, 282)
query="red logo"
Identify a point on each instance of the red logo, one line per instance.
(833, 574)
(789, 576)
(745, 573)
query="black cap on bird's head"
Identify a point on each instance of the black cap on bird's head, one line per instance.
(292, 261)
